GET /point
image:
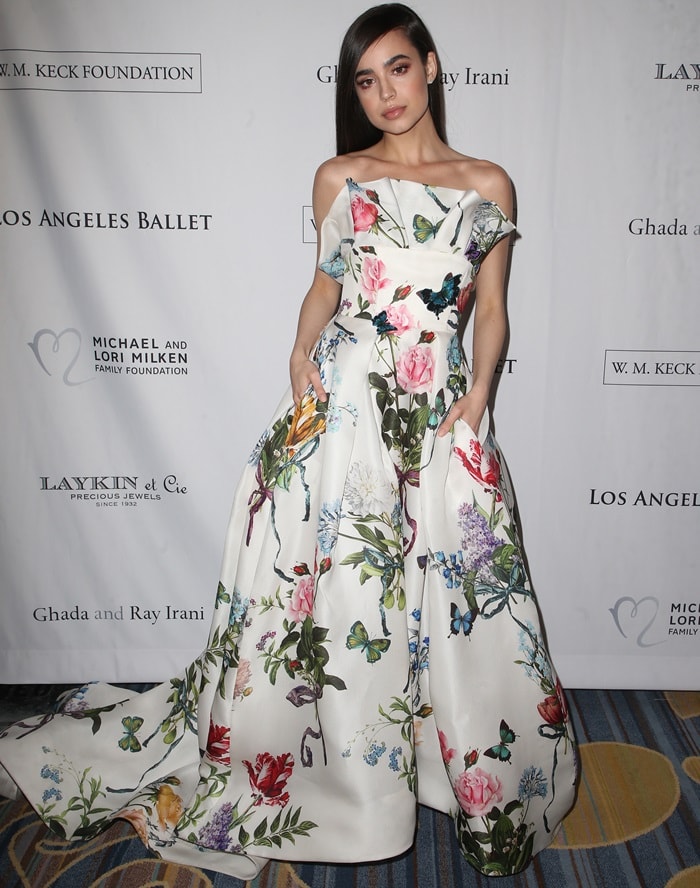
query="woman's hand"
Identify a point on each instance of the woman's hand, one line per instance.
(469, 408)
(304, 373)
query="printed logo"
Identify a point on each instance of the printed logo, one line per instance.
(647, 367)
(112, 490)
(58, 353)
(505, 366)
(686, 73)
(672, 499)
(49, 613)
(127, 356)
(634, 618)
(81, 71)
(107, 220)
(464, 77)
(647, 227)
(684, 618)
(327, 74)
(139, 356)
(309, 234)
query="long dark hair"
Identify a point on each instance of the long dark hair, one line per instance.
(353, 132)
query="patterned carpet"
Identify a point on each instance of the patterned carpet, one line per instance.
(636, 821)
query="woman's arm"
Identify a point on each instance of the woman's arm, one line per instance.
(321, 302)
(489, 312)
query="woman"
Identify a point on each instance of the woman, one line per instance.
(375, 639)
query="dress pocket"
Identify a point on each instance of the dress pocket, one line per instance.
(470, 431)
(463, 431)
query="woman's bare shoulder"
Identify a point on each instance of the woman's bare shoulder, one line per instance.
(332, 175)
(489, 179)
(335, 171)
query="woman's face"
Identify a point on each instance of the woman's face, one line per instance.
(391, 82)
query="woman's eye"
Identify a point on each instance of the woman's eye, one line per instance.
(400, 69)
(364, 84)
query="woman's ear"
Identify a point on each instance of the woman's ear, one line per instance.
(431, 67)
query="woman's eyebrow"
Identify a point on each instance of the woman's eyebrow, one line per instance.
(387, 64)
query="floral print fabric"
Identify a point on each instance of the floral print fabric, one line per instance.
(375, 640)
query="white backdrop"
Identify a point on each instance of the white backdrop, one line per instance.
(156, 241)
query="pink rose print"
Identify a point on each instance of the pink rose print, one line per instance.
(477, 792)
(268, 778)
(482, 465)
(301, 605)
(242, 678)
(364, 214)
(447, 752)
(398, 315)
(372, 277)
(414, 369)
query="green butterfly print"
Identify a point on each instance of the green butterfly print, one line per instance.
(359, 640)
(500, 751)
(424, 229)
(437, 413)
(130, 742)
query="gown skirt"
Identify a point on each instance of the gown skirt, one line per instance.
(375, 641)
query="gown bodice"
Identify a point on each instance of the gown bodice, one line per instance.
(407, 248)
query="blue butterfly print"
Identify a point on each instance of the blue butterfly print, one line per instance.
(459, 621)
(438, 300)
(382, 324)
(500, 751)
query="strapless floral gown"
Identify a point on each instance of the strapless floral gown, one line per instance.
(375, 641)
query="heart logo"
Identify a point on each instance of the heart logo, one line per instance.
(57, 353)
(636, 618)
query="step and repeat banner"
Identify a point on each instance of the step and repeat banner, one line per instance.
(156, 240)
